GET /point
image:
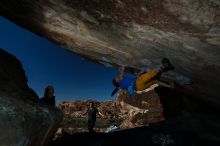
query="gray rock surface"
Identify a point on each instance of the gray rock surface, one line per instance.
(22, 120)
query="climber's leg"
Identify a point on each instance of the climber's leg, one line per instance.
(145, 80)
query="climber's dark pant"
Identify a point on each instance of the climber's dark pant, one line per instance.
(91, 124)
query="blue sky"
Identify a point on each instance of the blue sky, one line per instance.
(45, 63)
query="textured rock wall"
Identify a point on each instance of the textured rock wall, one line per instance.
(23, 122)
(133, 33)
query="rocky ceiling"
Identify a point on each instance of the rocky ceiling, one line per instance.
(134, 33)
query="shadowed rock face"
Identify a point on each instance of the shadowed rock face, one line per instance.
(23, 121)
(133, 33)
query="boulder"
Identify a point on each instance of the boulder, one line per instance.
(132, 33)
(143, 109)
(23, 122)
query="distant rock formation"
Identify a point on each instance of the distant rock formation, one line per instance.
(134, 111)
(77, 108)
(23, 122)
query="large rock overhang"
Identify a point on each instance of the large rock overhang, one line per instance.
(132, 33)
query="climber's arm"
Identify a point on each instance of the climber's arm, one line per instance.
(121, 73)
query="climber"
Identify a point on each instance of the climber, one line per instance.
(144, 79)
(92, 111)
(49, 97)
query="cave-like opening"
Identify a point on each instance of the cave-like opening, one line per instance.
(177, 110)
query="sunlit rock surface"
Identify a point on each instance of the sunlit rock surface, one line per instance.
(22, 120)
(133, 33)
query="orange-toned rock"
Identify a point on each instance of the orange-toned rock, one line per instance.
(135, 110)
